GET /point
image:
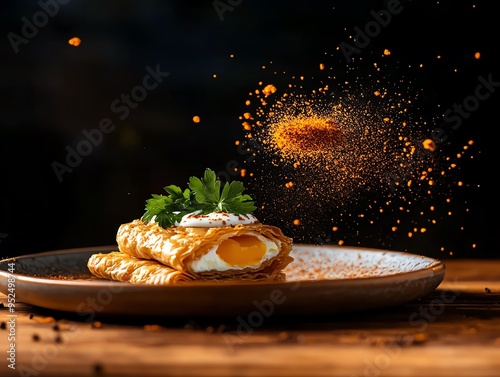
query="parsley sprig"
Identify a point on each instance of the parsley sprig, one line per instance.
(203, 195)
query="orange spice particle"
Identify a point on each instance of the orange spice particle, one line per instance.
(269, 89)
(75, 41)
(429, 145)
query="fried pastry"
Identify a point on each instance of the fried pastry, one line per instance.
(253, 251)
(122, 267)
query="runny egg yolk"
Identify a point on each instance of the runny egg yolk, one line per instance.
(242, 251)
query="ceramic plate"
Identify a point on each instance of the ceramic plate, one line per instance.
(322, 279)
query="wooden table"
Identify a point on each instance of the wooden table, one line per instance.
(453, 332)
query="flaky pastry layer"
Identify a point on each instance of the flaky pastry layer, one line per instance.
(122, 267)
(177, 247)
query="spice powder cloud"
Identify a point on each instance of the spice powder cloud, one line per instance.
(350, 153)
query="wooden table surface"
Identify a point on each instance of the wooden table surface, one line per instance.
(455, 331)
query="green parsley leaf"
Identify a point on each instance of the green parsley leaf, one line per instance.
(203, 196)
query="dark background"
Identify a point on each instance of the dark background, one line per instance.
(51, 91)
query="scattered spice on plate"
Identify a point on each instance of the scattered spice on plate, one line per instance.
(35, 337)
(487, 290)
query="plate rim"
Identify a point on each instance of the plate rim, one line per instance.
(437, 266)
(225, 299)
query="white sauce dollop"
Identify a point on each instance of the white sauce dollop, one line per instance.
(215, 219)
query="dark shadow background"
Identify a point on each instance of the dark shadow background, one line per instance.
(51, 91)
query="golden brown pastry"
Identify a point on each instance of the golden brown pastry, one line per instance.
(122, 267)
(253, 251)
